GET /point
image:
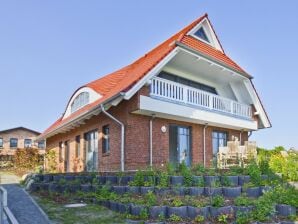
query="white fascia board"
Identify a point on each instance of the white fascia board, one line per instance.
(150, 74)
(174, 111)
(257, 103)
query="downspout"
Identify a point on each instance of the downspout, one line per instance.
(240, 137)
(250, 133)
(150, 139)
(122, 134)
(204, 144)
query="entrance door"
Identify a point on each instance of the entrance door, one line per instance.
(180, 145)
(66, 157)
(91, 139)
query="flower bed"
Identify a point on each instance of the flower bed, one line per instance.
(241, 195)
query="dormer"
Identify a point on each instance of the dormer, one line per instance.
(81, 98)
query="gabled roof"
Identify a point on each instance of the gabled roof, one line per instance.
(19, 128)
(123, 79)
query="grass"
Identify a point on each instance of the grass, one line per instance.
(91, 213)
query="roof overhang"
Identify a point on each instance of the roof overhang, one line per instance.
(80, 119)
(211, 59)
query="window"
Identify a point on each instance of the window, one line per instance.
(105, 139)
(1, 142)
(60, 151)
(78, 145)
(13, 143)
(81, 100)
(197, 85)
(200, 33)
(27, 143)
(219, 139)
(41, 144)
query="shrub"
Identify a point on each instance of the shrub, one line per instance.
(138, 180)
(223, 218)
(175, 218)
(217, 201)
(254, 173)
(177, 202)
(163, 179)
(199, 219)
(263, 208)
(290, 167)
(199, 169)
(186, 173)
(27, 159)
(144, 214)
(243, 218)
(243, 201)
(150, 198)
(276, 163)
(51, 160)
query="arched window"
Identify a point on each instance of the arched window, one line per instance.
(81, 100)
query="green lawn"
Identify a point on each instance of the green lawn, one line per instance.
(91, 213)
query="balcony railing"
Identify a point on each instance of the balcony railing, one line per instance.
(177, 92)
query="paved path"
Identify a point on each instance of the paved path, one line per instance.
(8, 178)
(21, 204)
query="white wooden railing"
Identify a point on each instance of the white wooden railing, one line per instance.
(185, 94)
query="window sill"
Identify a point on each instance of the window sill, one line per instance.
(105, 154)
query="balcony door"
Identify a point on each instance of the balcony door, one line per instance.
(180, 144)
(219, 139)
(91, 141)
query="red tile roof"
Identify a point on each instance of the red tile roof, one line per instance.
(121, 80)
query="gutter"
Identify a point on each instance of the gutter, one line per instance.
(122, 134)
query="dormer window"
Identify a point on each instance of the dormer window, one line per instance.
(200, 33)
(81, 100)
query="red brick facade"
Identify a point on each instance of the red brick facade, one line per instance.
(137, 153)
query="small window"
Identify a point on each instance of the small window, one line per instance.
(27, 143)
(13, 143)
(60, 151)
(1, 142)
(41, 144)
(202, 34)
(81, 100)
(105, 139)
(78, 145)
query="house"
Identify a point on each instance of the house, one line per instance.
(179, 102)
(18, 138)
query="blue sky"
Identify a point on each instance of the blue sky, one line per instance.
(50, 48)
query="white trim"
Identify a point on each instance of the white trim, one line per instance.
(150, 74)
(205, 24)
(93, 96)
(257, 103)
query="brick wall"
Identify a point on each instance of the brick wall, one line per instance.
(136, 139)
(21, 135)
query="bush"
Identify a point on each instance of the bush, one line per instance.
(51, 160)
(27, 159)
(290, 167)
(254, 173)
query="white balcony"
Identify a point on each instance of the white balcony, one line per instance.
(182, 94)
